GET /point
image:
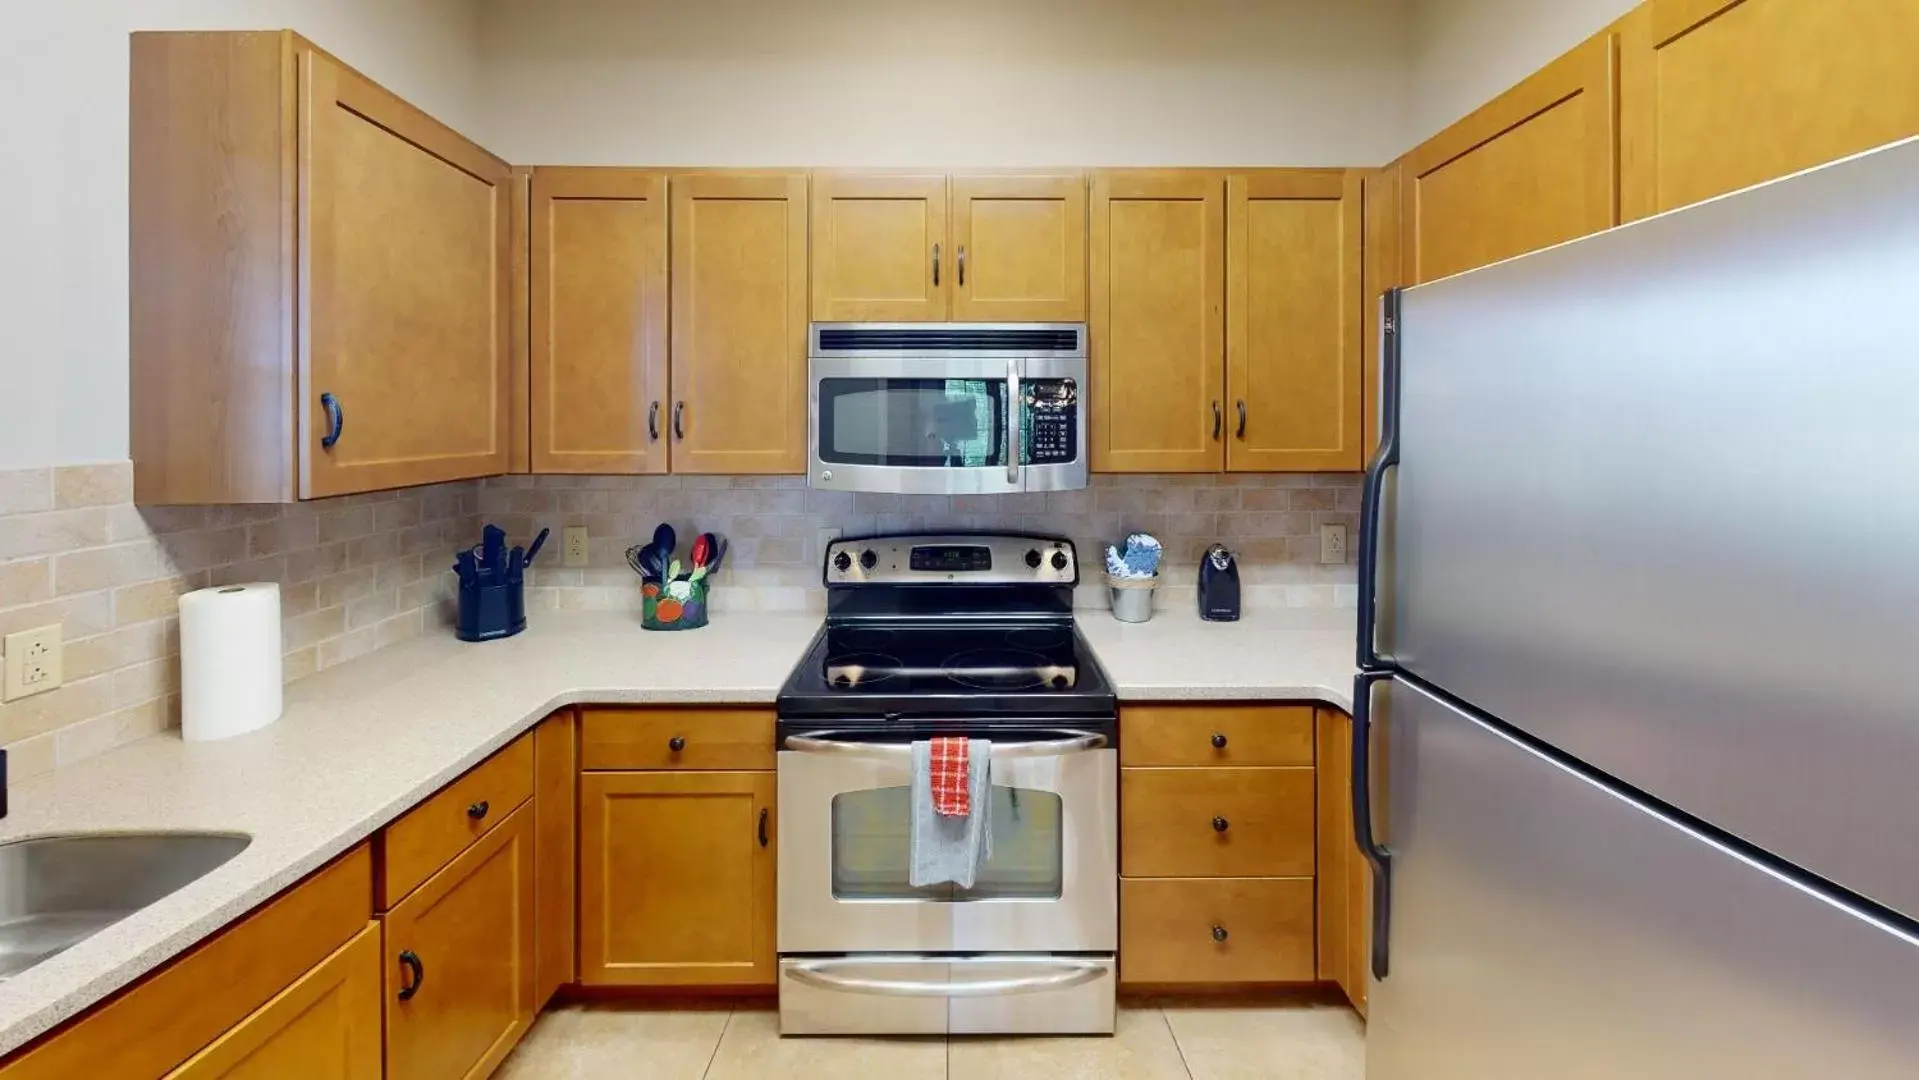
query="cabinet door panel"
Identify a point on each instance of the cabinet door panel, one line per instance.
(739, 323)
(326, 1026)
(1168, 931)
(1532, 168)
(405, 271)
(599, 321)
(556, 857)
(1383, 271)
(1216, 822)
(1020, 252)
(471, 926)
(675, 885)
(1158, 322)
(1293, 248)
(1345, 879)
(876, 242)
(1717, 95)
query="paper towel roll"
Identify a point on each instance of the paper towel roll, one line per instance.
(229, 660)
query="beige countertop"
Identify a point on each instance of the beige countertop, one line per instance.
(361, 743)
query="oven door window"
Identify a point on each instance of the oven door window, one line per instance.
(923, 423)
(871, 845)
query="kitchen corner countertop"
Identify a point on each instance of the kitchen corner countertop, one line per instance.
(361, 743)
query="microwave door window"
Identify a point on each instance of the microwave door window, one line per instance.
(926, 423)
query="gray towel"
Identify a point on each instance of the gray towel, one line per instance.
(946, 848)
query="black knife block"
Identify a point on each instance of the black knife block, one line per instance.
(491, 611)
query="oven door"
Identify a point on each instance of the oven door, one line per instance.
(1051, 884)
(948, 426)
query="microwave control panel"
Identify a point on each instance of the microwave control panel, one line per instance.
(1051, 435)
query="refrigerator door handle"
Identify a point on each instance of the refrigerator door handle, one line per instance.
(1380, 858)
(1385, 458)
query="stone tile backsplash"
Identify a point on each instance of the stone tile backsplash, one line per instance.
(355, 573)
(773, 525)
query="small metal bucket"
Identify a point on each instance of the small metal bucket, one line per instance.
(1132, 597)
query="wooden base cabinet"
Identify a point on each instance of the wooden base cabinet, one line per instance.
(1345, 878)
(324, 1027)
(676, 878)
(459, 960)
(1215, 931)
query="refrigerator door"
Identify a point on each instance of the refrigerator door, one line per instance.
(1657, 503)
(1545, 925)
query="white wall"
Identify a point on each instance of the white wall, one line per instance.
(1467, 52)
(63, 180)
(945, 83)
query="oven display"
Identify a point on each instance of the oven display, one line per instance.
(951, 557)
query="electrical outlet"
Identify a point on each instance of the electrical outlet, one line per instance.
(575, 553)
(33, 662)
(1332, 543)
(824, 535)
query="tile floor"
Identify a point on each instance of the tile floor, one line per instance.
(1171, 1042)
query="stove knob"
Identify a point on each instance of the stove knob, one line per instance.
(868, 560)
(1059, 560)
(1032, 559)
(842, 562)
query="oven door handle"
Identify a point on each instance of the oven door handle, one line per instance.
(818, 742)
(1061, 976)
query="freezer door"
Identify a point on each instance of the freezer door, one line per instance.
(1544, 925)
(1657, 505)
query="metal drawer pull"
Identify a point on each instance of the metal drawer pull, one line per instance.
(1219, 824)
(1219, 741)
(478, 810)
(335, 421)
(679, 420)
(818, 743)
(411, 961)
(1219, 933)
(1060, 977)
(653, 422)
(1242, 418)
(936, 266)
(962, 266)
(676, 744)
(1219, 421)
(762, 826)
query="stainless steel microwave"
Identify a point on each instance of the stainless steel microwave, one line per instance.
(947, 408)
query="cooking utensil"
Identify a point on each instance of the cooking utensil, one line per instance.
(702, 550)
(645, 561)
(534, 550)
(666, 540)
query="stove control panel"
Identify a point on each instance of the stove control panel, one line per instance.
(972, 560)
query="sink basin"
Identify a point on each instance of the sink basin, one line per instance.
(56, 891)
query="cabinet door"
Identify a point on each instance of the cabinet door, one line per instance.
(324, 1027)
(1383, 271)
(879, 243)
(1019, 248)
(461, 949)
(599, 321)
(1293, 249)
(676, 879)
(1158, 322)
(1716, 95)
(405, 268)
(1345, 880)
(1532, 168)
(739, 323)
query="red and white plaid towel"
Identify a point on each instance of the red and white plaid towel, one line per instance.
(952, 780)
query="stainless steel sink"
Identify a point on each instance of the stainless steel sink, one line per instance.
(56, 891)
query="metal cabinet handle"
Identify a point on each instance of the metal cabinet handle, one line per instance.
(478, 810)
(962, 266)
(762, 826)
(1219, 740)
(676, 744)
(1219, 824)
(653, 422)
(1219, 933)
(1219, 421)
(411, 961)
(679, 420)
(335, 421)
(936, 266)
(1241, 433)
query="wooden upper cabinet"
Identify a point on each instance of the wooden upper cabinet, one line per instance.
(1019, 248)
(1158, 321)
(1382, 271)
(1720, 94)
(1293, 249)
(879, 242)
(598, 321)
(739, 323)
(296, 231)
(1532, 168)
(405, 270)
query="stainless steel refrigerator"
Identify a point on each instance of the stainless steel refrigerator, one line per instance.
(1640, 649)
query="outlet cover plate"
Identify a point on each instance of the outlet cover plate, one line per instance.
(575, 552)
(33, 663)
(1332, 543)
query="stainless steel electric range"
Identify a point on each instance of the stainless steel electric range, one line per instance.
(948, 635)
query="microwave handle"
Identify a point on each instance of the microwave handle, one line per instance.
(817, 743)
(1059, 976)
(1015, 419)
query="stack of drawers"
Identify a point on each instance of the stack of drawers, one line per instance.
(1217, 828)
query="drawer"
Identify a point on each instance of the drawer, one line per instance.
(729, 739)
(1216, 822)
(1194, 735)
(433, 833)
(1194, 931)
